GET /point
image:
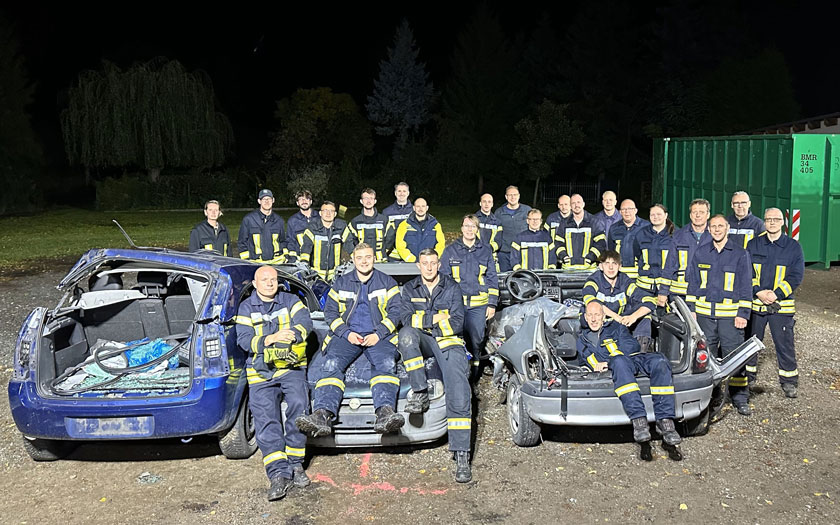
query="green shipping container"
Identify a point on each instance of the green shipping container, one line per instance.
(799, 173)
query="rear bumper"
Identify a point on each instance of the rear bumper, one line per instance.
(594, 402)
(354, 427)
(201, 411)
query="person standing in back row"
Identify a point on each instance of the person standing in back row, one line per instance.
(609, 215)
(398, 212)
(211, 234)
(262, 234)
(513, 218)
(743, 225)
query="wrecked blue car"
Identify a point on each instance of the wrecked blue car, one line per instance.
(142, 345)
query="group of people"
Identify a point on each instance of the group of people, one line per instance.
(736, 274)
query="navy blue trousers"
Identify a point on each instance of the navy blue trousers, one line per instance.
(624, 370)
(781, 328)
(722, 338)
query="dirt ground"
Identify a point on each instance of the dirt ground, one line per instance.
(781, 465)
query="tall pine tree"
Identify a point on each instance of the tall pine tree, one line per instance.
(402, 94)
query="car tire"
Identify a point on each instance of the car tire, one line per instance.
(47, 449)
(699, 426)
(240, 441)
(524, 430)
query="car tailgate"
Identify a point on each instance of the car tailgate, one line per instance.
(723, 368)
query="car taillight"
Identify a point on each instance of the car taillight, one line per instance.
(701, 357)
(23, 361)
(214, 364)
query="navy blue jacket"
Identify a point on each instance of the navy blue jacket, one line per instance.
(613, 339)
(262, 238)
(256, 319)
(414, 236)
(474, 269)
(204, 237)
(686, 244)
(295, 227)
(384, 297)
(489, 230)
(583, 243)
(552, 222)
(321, 247)
(720, 283)
(778, 266)
(371, 230)
(741, 231)
(605, 223)
(620, 239)
(418, 309)
(396, 214)
(511, 224)
(656, 258)
(533, 250)
(624, 298)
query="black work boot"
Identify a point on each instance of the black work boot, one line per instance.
(463, 472)
(318, 423)
(417, 402)
(300, 478)
(669, 434)
(387, 420)
(641, 430)
(279, 487)
(743, 408)
(789, 389)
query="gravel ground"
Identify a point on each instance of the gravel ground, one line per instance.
(781, 465)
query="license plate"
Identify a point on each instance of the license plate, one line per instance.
(110, 427)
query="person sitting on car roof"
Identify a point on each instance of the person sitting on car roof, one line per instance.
(533, 248)
(362, 311)
(610, 346)
(623, 301)
(211, 234)
(432, 315)
(272, 326)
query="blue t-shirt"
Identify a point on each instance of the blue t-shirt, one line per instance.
(360, 321)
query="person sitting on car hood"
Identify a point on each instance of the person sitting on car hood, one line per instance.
(611, 346)
(272, 326)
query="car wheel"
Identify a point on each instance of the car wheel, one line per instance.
(240, 441)
(47, 449)
(698, 426)
(525, 431)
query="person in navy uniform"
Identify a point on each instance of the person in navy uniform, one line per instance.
(398, 212)
(743, 225)
(370, 227)
(533, 248)
(322, 243)
(778, 269)
(262, 236)
(297, 224)
(489, 226)
(620, 238)
(579, 239)
(609, 215)
(655, 255)
(564, 209)
(687, 239)
(419, 231)
(211, 234)
(513, 219)
(272, 327)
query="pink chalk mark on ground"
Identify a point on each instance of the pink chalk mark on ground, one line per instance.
(384, 485)
(320, 478)
(364, 470)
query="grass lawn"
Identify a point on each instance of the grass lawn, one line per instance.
(57, 238)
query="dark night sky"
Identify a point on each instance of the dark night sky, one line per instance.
(256, 55)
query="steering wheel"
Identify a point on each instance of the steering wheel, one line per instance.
(524, 285)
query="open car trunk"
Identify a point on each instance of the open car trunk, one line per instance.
(124, 332)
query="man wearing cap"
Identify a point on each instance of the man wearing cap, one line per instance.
(262, 235)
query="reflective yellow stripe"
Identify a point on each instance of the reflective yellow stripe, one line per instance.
(481, 270)
(298, 306)
(257, 248)
(244, 255)
(737, 381)
(447, 341)
(682, 255)
(626, 389)
(704, 277)
(592, 360)
(612, 347)
(645, 259)
(274, 456)
(299, 452)
(275, 242)
(788, 373)
(330, 381)
(413, 364)
(477, 300)
(456, 273)
(445, 327)
(417, 319)
(756, 274)
(242, 319)
(335, 324)
(662, 390)
(384, 379)
(459, 423)
(389, 325)
(728, 281)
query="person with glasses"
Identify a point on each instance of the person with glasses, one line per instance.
(620, 240)
(743, 225)
(778, 268)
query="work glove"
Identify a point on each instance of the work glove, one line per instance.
(271, 354)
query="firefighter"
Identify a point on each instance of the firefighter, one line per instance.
(262, 235)
(533, 249)
(778, 268)
(362, 311)
(489, 226)
(620, 239)
(743, 225)
(398, 212)
(418, 232)
(433, 318)
(720, 297)
(513, 218)
(610, 346)
(211, 234)
(564, 209)
(322, 243)
(297, 224)
(272, 326)
(623, 301)
(469, 261)
(687, 239)
(653, 249)
(370, 227)
(608, 216)
(579, 240)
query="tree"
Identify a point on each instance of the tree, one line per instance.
(20, 150)
(151, 116)
(544, 137)
(402, 95)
